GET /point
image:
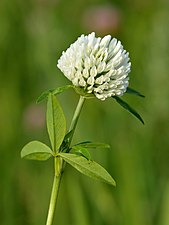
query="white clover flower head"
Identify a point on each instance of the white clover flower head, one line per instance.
(99, 66)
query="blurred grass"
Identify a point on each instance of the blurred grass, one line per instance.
(33, 35)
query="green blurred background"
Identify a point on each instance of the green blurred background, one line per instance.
(33, 34)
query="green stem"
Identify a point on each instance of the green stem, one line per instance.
(55, 189)
(59, 165)
(54, 195)
(76, 117)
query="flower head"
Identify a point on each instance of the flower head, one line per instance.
(99, 66)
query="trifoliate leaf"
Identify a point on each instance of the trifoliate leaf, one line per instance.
(134, 92)
(126, 106)
(56, 122)
(36, 150)
(88, 167)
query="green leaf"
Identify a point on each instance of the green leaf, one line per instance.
(134, 92)
(56, 122)
(36, 150)
(126, 106)
(59, 90)
(88, 167)
(94, 145)
(79, 150)
(55, 91)
(44, 95)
